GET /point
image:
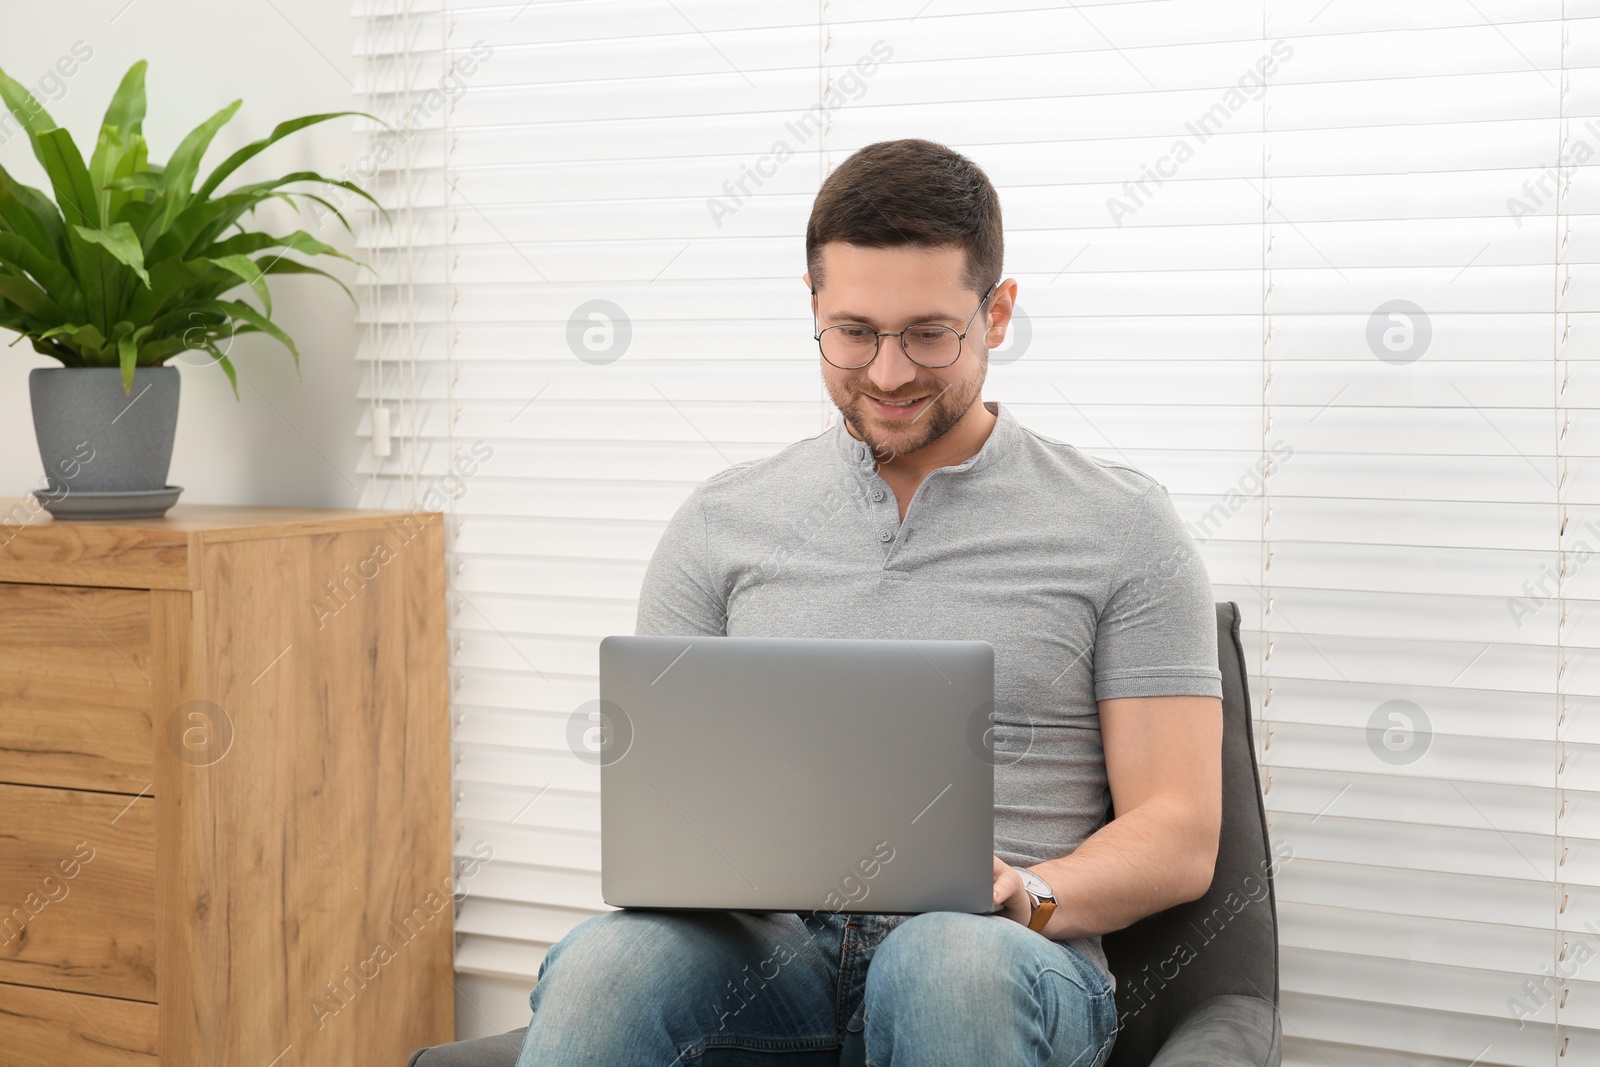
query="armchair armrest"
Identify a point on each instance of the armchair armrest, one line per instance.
(496, 1050)
(1225, 1031)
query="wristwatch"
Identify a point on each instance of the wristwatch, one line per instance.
(1042, 896)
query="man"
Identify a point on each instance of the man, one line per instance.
(925, 513)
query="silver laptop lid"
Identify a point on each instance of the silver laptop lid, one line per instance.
(797, 774)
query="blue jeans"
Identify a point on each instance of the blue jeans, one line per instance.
(639, 988)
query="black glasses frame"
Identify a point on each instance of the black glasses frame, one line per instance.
(877, 341)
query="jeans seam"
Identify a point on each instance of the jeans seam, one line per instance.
(753, 1043)
(1096, 1002)
(846, 946)
(1105, 1047)
(1073, 978)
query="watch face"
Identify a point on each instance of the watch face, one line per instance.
(1036, 885)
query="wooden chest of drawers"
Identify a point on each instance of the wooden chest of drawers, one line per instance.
(224, 786)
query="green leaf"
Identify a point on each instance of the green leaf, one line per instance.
(120, 240)
(203, 221)
(98, 277)
(227, 368)
(131, 167)
(54, 350)
(298, 241)
(28, 213)
(141, 180)
(185, 163)
(69, 177)
(127, 357)
(311, 176)
(289, 266)
(255, 148)
(36, 120)
(136, 213)
(332, 210)
(119, 136)
(128, 341)
(90, 341)
(26, 294)
(52, 277)
(172, 284)
(240, 310)
(127, 107)
(197, 226)
(246, 268)
(153, 353)
(190, 325)
(12, 318)
(88, 347)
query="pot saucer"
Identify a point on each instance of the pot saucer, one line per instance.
(110, 504)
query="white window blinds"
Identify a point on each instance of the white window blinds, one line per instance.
(1325, 269)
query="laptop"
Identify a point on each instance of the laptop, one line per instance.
(796, 774)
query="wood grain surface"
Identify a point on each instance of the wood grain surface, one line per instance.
(75, 687)
(79, 880)
(310, 863)
(50, 1027)
(244, 712)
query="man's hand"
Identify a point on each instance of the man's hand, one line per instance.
(1009, 893)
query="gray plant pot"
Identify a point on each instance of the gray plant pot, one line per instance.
(110, 449)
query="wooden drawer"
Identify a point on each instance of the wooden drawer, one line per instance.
(75, 687)
(77, 885)
(44, 1028)
(264, 786)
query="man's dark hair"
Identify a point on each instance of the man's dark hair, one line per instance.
(910, 192)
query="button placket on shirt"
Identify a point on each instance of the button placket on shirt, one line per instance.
(883, 508)
(886, 512)
(891, 524)
(891, 508)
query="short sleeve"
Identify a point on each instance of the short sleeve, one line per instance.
(1157, 634)
(681, 595)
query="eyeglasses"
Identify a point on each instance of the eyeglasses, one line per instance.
(851, 345)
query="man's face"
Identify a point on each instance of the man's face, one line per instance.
(889, 289)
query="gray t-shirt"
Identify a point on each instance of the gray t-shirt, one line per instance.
(1077, 570)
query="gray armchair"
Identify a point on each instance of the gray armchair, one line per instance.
(1197, 984)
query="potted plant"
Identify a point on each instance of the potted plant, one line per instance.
(129, 265)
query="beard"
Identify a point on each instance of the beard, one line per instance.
(891, 438)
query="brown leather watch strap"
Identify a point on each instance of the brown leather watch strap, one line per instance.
(1041, 915)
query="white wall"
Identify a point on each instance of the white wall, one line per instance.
(285, 58)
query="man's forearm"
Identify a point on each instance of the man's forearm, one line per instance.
(1135, 865)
